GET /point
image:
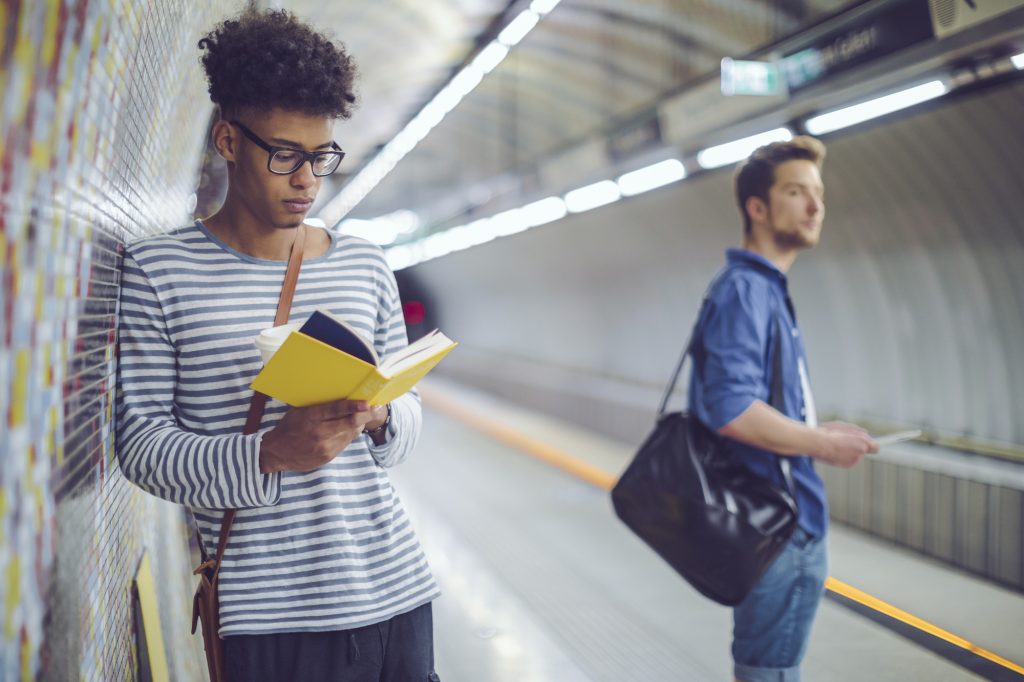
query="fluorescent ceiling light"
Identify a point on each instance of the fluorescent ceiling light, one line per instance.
(400, 257)
(382, 230)
(479, 232)
(543, 6)
(440, 244)
(447, 99)
(1018, 61)
(650, 177)
(544, 211)
(489, 57)
(467, 79)
(431, 114)
(462, 237)
(508, 222)
(592, 196)
(858, 113)
(511, 221)
(518, 28)
(371, 230)
(731, 152)
(404, 141)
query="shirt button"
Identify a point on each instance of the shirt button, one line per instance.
(795, 332)
(803, 411)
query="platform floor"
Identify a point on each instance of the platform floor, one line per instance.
(541, 582)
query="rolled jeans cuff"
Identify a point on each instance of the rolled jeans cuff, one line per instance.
(749, 673)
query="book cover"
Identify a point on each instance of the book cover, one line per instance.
(327, 360)
(335, 332)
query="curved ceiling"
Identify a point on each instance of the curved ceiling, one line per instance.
(587, 66)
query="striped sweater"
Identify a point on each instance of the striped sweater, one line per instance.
(330, 549)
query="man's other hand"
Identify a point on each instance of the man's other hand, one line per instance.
(309, 437)
(844, 445)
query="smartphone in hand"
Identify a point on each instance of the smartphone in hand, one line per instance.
(897, 437)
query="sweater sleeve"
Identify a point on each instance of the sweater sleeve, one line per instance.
(406, 411)
(154, 451)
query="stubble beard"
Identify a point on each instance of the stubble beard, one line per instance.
(791, 240)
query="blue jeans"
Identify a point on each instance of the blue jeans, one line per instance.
(772, 625)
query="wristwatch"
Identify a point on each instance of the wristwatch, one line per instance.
(383, 427)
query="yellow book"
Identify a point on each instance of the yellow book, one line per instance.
(327, 360)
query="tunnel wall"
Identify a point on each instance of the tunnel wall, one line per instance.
(103, 122)
(912, 308)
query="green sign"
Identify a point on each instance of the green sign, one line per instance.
(751, 78)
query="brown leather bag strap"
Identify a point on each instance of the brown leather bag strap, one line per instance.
(259, 400)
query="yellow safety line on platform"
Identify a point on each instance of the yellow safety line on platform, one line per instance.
(542, 451)
(861, 597)
(604, 480)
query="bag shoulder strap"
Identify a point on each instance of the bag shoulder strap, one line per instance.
(689, 344)
(776, 398)
(259, 400)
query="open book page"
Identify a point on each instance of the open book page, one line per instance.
(335, 332)
(429, 345)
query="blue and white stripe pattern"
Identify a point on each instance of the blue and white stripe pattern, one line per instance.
(330, 549)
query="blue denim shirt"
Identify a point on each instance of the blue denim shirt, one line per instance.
(733, 346)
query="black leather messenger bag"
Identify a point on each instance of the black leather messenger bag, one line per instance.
(714, 521)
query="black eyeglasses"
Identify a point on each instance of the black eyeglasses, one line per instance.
(285, 161)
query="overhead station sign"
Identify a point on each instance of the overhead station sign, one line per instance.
(884, 29)
(860, 37)
(889, 28)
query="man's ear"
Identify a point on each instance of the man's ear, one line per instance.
(224, 140)
(756, 209)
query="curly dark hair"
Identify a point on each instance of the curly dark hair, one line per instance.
(268, 59)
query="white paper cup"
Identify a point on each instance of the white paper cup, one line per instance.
(269, 340)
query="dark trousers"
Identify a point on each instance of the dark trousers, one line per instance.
(398, 650)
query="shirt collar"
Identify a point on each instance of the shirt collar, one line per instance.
(755, 261)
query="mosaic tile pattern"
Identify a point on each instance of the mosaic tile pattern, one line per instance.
(102, 129)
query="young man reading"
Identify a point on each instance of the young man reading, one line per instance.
(323, 577)
(749, 314)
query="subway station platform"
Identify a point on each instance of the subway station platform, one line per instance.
(542, 583)
(552, 185)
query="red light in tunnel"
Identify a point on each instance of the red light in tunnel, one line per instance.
(414, 312)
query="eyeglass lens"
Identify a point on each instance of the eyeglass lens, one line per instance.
(285, 161)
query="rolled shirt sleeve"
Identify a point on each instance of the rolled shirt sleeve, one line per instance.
(734, 339)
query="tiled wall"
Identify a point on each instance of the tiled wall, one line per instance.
(102, 128)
